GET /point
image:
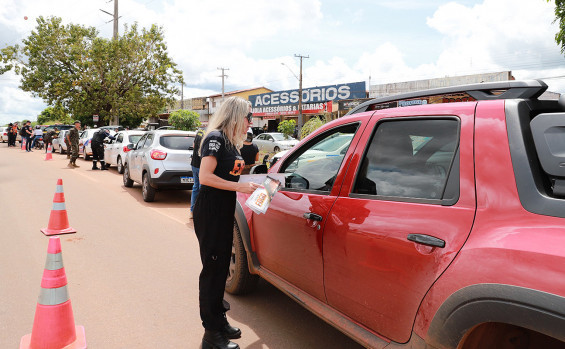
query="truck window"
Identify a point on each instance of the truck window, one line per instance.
(316, 164)
(409, 159)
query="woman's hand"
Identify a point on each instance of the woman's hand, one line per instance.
(248, 187)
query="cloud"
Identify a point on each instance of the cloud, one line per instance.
(252, 38)
(15, 104)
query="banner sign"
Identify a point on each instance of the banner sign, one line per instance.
(311, 108)
(311, 95)
(344, 105)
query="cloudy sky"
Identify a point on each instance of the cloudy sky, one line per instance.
(347, 41)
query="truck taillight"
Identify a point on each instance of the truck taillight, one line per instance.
(158, 155)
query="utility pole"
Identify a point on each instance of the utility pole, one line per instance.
(115, 20)
(116, 118)
(222, 76)
(300, 118)
(182, 96)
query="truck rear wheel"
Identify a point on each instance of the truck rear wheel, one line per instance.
(499, 335)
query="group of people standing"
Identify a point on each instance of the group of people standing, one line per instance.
(29, 135)
(12, 131)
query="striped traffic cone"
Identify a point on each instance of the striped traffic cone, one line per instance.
(58, 220)
(48, 154)
(23, 143)
(54, 323)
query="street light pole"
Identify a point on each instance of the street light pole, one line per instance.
(300, 118)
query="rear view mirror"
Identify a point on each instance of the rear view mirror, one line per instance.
(131, 146)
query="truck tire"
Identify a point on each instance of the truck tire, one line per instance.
(240, 280)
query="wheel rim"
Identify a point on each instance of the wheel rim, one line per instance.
(231, 271)
(126, 175)
(120, 169)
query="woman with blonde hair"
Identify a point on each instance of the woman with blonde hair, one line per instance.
(220, 167)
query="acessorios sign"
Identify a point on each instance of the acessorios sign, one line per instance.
(284, 100)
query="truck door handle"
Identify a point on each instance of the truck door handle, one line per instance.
(312, 216)
(426, 240)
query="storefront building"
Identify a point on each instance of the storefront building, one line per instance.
(271, 108)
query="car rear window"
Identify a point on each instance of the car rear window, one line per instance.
(177, 142)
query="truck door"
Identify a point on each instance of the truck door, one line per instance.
(406, 208)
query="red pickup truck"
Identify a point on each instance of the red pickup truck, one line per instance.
(440, 224)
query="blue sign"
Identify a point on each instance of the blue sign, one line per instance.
(321, 94)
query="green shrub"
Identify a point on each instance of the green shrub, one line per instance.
(287, 127)
(311, 126)
(187, 120)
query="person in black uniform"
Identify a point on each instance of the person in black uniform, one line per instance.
(195, 163)
(220, 167)
(249, 153)
(97, 144)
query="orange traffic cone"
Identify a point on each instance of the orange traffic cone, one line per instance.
(54, 323)
(48, 155)
(58, 220)
(23, 143)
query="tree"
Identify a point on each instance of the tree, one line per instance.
(187, 120)
(312, 125)
(286, 127)
(132, 76)
(54, 114)
(560, 16)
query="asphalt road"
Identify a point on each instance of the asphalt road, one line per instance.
(132, 267)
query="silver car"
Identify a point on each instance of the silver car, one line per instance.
(115, 151)
(4, 134)
(160, 160)
(274, 142)
(59, 142)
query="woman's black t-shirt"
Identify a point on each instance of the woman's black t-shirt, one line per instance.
(230, 163)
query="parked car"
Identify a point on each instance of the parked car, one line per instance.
(160, 160)
(274, 142)
(3, 134)
(440, 225)
(333, 146)
(59, 142)
(59, 128)
(114, 128)
(116, 150)
(84, 146)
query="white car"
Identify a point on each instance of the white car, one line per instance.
(115, 151)
(59, 142)
(274, 142)
(84, 146)
(160, 160)
(4, 134)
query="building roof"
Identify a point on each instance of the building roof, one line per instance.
(239, 91)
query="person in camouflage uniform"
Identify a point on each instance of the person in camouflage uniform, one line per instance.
(68, 144)
(73, 135)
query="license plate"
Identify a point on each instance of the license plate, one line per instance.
(187, 180)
